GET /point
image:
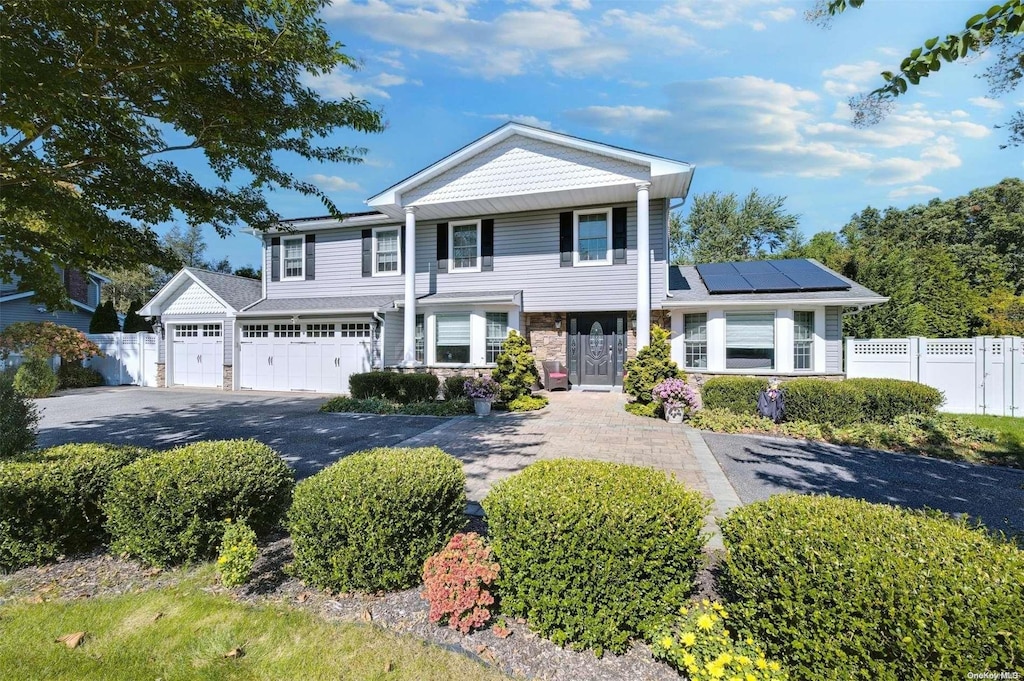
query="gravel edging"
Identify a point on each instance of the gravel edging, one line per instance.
(523, 654)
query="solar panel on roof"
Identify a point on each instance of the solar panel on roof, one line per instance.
(768, 276)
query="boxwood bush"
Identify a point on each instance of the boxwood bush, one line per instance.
(170, 508)
(35, 378)
(417, 388)
(735, 393)
(18, 419)
(835, 403)
(74, 375)
(455, 387)
(591, 551)
(394, 387)
(369, 521)
(843, 589)
(887, 398)
(51, 500)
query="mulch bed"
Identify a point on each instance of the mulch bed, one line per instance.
(523, 654)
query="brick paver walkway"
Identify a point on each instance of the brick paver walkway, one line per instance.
(574, 425)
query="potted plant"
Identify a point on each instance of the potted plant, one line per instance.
(676, 399)
(482, 391)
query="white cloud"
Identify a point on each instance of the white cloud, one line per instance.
(647, 27)
(914, 190)
(525, 119)
(339, 84)
(849, 79)
(758, 25)
(781, 14)
(986, 103)
(764, 126)
(389, 80)
(392, 58)
(724, 14)
(891, 51)
(334, 183)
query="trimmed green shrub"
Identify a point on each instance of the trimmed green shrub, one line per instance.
(74, 375)
(651, 366)
(517, 368)
(455, 387)
(651, 410)
(51, 501)
(417, 388)
(18, 419)
(368, 405)
(133, 322)
(527, 403)
(834, 403)
(843, 589)
(170, 508)
(35, 378)
(735, 393)
(590, 551)
(369, 521)
(887, 398)
(380, 384)
(453, 407)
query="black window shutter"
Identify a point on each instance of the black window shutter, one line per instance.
(275, 258)
(619, 234)
(565, 238)
(401, 250)
(310, 257)
(487, 245)
(367, 252)
(442, 247)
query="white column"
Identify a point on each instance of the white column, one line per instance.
(643, 262)
(409, 346)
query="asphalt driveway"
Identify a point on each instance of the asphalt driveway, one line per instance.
(758, 467)
(166, 417)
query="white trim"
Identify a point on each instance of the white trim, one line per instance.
(452, 269)
(302, 257)
(16, 296)
(87, 308)
(608, 254)
(172, 285)
(771, 302)
(373, 251)
(285, 314)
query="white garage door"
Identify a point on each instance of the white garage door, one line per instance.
(313, 356)
(198, 355)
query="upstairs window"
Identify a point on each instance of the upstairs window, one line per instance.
(387, 251)
(593, 237)
(293, 262)
(465, 247)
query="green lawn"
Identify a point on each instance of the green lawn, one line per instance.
(184, 633)
(1009, 448)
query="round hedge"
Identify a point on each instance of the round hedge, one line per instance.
(590, 551)
(50, 501)
(170, 508)
(844, 589)
(35, 378)
(369, 521)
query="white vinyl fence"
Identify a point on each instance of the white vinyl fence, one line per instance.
(129, 358)
(983, 375)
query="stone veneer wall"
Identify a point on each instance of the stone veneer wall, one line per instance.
(229, 378)
(161, 375)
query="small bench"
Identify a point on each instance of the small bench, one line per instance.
(555, 375)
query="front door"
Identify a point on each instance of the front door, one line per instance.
(597, 349)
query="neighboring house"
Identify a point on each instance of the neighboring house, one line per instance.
(523, 229)
(84, 289)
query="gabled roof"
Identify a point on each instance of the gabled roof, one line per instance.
(232, 292)
(521, 156)
(686, 288)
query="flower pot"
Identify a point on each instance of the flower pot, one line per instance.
(482, 406)
(674, 414)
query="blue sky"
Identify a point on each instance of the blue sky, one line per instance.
(748, 90)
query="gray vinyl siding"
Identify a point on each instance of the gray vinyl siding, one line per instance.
(25, 310)
(833, 339)
(526, 257)
(394, 337)
(228, 332)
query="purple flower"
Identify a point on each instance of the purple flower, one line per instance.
(674, 393)
(483, 388)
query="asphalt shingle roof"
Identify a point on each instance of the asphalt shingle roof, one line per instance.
(327, 304)
(235, 291)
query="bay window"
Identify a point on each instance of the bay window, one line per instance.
(750, 340)
(803, 341)
(497, 330)
(695, 339)
(452, 338)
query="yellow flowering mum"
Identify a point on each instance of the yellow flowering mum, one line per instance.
(666, 642)
(689, 638)
(706, 622)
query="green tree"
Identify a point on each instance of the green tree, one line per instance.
(187, 246)
(652, 365)
(719, 228)
(517, 369)
(828, 248)
(249, 272)
(104, 319)
(107, 104)
(129, 284)
(998, 26)
(133, 322)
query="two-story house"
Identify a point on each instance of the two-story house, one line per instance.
(85, 290)
(560, 238)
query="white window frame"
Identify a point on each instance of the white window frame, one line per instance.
(775, 341)
(576, 238)
(284, 259)
(398, 271)
(452, 313)
(689, 343)
(488, 338)
(810, 342)
(451, 245)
